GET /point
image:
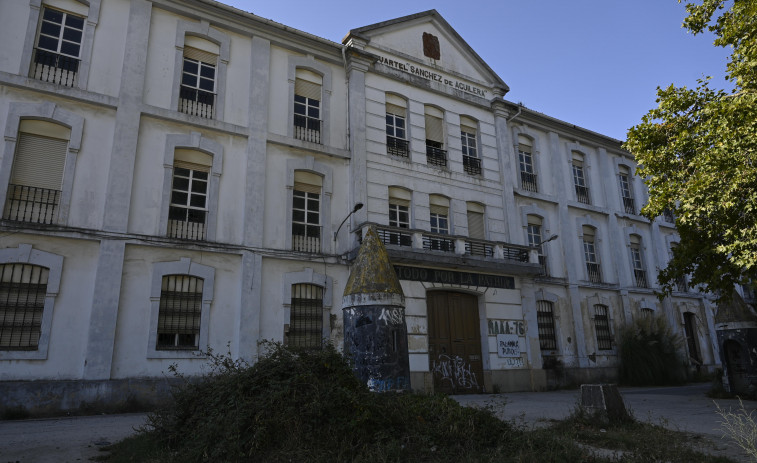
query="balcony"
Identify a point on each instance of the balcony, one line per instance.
(307, 128)
(31, 204)
(196, 102)
(528, 181)
(422, 247)
(306, 238)
(640, 276)
(471, 165)
(436, 156)
(629, 206)
(55, 68)
(397, 147)
(582, 194)
(593, 271)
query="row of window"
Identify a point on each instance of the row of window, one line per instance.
(397, 142)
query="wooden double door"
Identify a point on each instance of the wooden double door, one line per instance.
(454, 337)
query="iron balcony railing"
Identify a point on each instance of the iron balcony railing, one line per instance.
(307, 128)
(31, 204)
(436, 156)
(197, 102)
(306, 238)
(397, 146)
(53, 67)
(186, 230)
(461, 245)
(641, 278)
(471, 165)
(593, 270)
(528, 181)
(629, 205)
(582, 194)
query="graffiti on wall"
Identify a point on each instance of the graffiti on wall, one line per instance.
(454, 370)
(517, 327)
(507, 345)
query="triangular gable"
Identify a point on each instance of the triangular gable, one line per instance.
(425, 44)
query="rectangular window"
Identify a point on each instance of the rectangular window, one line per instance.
(471, 161)
(306, 317)
(545, 318)
(533, 232)
(197, 95)
(36, 179)
(590, 256)
(435, 154)
(439, 223)
(56, 57)
(307, 109)
(306, 224)
(640, 275)
(399, 215)
(602, 327)
(179, 313)
(625, 191)
(396, 136)
(188, 211)
(527, 173)
(23, 288)
(582, 191)
(690, 329)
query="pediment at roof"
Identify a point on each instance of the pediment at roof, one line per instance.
(428, 44)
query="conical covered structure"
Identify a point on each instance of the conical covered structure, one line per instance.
(375, 332)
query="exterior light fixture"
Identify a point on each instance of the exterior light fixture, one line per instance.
(357, 207)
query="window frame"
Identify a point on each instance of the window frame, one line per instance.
(191, 193)
(26, 254)
(194, 141)
(545, 326)
(603, 323)
(396, 145)
(309, 63)
(309, 164)
(91, 19)
(590, 252)
(204, 31)
(306, 276)
(184, 266)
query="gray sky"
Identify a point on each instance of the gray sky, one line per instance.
(593, 63)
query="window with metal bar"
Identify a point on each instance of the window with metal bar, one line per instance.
(640, 275)
(527, 173)
(306, 317)
(435, 154)
(306, 228)
(36, 179)
(582, 191)
(396, 141)
(23, 288)
(57, 54)
(187, 214)
(307, 106)
(179, 313)
(197, 94)
(590, 256)
(399, 217)
(471, 161)
(602, 327)
(625, 190)
(545, 318)
(534, 235)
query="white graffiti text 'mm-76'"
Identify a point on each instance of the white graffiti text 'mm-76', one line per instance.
(455, 370)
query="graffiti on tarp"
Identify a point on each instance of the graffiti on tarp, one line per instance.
(389, 384)
(507, 345)
(455, 371)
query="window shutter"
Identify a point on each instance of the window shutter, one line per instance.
(307, 182)
(434, 129)
(191, 166)
(468, 125)
(200, 55)
(307, 89)
(39, 161)
(307, 188)
(441, 210)
(394, 109)
(400, 194)
(476, 225)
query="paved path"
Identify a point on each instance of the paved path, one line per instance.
(72, 439)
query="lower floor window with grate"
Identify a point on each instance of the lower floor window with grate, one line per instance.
(179, 313)
(602, 327)
(545, 318)
(306, 317)
(23, 288)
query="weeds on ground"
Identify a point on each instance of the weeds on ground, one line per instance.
(634, 440)
(648, 351)
(741, 427)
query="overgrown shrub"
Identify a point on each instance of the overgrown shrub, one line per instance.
(309, 406)
(649, 354)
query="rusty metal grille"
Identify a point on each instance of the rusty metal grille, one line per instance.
(602, 327)
(180, 313)
(306, 317)
(23, 288)
(545, 319)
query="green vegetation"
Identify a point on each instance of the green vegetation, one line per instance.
(308, 406)
(648, 350)
(698, 152)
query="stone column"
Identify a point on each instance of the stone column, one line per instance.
(375, 331)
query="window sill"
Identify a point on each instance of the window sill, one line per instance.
(292, 142)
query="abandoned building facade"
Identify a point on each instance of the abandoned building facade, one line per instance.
(176, 175)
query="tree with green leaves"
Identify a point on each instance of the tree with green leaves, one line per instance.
(698, 153)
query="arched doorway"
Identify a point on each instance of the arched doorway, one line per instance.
(454, 342)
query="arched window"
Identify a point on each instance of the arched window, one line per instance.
(307, 105)
(626, 189)
(637, 262)
(396, 126)
(526, 164)
(579, 178)
(306, 211)
(399, 216)
(590, 254)
(469, 143)
(436, 155)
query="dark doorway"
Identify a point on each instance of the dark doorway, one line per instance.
(454, 337)
(737, 365)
